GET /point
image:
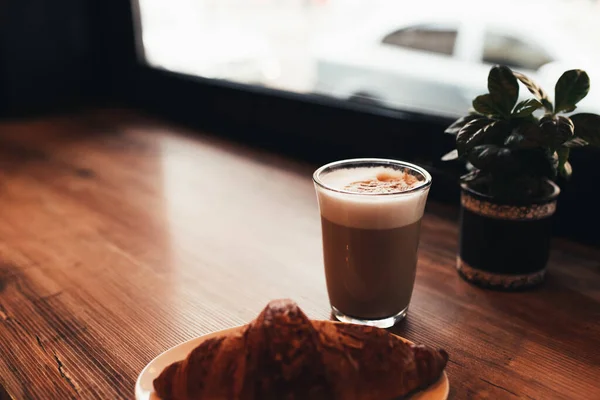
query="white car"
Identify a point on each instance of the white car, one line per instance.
(436, 60)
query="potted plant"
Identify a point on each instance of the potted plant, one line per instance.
(515, 152)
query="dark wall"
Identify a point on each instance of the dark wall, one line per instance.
(57, 54)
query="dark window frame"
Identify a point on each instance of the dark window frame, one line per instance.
(310, 127)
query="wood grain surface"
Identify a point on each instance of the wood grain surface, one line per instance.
(121, 236)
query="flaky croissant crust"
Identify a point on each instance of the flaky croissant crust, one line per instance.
(284, 355)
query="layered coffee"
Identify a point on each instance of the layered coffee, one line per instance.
(371, 218)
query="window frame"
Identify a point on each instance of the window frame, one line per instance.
(294, 124)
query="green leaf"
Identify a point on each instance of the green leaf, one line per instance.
(556, 130)
(493, 159)
(453, 155)
(470, 176)
(575, 142)
(572, 86)
(459, 123)
(532, 132)
(563, 155)
(553, 164)
(565, 129)
(535, 89)
(563, 158)
(504, 89)
(567, 170)
(495, 133)
(587, 127)
(485, 105)
(526, 136)
(526, 108)
(492, 132)
(469, 130)
(537, 162)
(489, 134)
(516, 140)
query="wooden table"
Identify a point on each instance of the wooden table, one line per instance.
(121, 237)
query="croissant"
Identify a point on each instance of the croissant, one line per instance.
(284, 355)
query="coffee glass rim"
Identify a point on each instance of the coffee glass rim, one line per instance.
(383, 162)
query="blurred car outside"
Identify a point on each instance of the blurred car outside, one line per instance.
(435, 59)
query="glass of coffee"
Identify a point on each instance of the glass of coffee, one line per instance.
(371, 212)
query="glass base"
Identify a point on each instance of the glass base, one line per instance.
(379, 323)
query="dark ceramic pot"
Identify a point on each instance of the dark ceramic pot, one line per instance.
(504, 246)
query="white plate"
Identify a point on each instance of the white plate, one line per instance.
(145, 391)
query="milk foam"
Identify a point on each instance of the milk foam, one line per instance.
(368, 211)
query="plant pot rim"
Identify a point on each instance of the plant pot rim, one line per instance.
(540, 200)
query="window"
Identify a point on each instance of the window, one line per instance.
(514, 52)
(250, 69)
(346, 51)
(439, 40)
